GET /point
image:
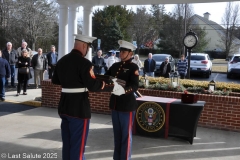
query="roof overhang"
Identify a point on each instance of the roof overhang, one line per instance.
(133, 2)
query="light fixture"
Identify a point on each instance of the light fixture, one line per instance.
(174, 78)
(212, 85)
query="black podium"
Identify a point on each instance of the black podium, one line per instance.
(163, 117)
(184, 118)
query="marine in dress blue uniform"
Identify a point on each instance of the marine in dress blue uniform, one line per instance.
(123, 102)
(75, 75)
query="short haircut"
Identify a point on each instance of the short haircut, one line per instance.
(9, 43)
(53, 46)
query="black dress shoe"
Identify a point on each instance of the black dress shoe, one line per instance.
(2, 99)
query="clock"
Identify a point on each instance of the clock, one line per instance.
(190, 40)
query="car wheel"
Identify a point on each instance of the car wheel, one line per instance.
(228, 75)
(207, 75)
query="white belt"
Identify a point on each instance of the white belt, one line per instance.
(74, 90)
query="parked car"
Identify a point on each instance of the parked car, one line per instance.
(233, 65)
(200, 63)
(159, 58)
(108, 54)
(228, 58)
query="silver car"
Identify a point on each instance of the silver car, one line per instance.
(233, 65)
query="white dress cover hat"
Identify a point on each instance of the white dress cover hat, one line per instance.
(84, 38)
(127, 45)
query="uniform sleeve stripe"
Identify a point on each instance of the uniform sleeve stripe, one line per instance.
(83, 139)
(129, 135)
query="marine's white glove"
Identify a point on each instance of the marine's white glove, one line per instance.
(118, 89)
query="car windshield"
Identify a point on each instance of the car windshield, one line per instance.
(197, 57)
(159, 58)
(236, 59)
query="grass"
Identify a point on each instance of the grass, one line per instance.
(219, 69)
(221, 61)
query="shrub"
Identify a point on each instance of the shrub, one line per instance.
(160, 83)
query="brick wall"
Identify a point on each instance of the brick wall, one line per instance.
(220, 112)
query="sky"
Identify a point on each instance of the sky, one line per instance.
(216, 10)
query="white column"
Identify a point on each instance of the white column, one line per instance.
(63, 30)
(87, 26)
(72, 25)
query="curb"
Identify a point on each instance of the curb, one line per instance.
(29, 103)
(32, 103)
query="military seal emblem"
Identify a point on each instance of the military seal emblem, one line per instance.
(150, 116)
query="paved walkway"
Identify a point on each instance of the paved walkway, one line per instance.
(35, 132)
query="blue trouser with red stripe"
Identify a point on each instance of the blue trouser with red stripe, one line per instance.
(74, 137)
(122, 130)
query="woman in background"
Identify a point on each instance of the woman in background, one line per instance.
(23, 61)
(138, 62)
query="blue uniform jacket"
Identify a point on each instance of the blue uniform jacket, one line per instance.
(128, 72)
(4, 68)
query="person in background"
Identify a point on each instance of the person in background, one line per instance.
(23, 61)
(182, 66)
(4, 73)
(29, 53)
(138, 62)
(24, 46)
(165, 68)
(112, 59)
(12, 57)
(52, 58)
(39, 64)
(149, 66)
(74, 73)
(98, 62)
(123, 102)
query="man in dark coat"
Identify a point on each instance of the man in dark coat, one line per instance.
(75, 75)
(149, 66)
(165, 68)
(12, 57)
(52, 58)
(123, 102)
(98, 62)
(4, 73)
